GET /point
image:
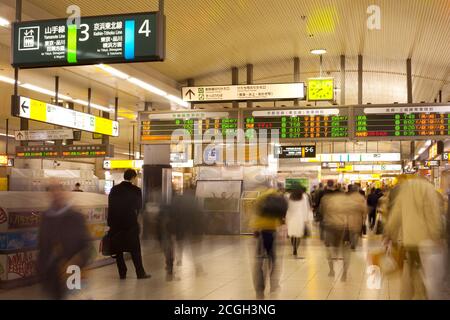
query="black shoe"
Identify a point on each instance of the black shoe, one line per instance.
(144, 276)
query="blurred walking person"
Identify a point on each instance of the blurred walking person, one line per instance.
(124, 206)
(64, 240)
(357, 214)
(343, 214)
(372, 202)
(271, 207)
(416, 222)
(299, 216)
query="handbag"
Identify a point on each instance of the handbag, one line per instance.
(105, 245)
(389, 260)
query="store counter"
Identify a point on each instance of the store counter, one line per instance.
(20, 215)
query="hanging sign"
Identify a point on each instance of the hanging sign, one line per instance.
(41, 111)
(42, 135)
(137, 37)
(256, 92)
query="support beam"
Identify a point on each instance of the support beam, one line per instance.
(105, 138)
(116, 108)
(409, 80)
(56, 90)
(440, 96)
(147, 106)
(296, 75)
(360, 79)
(6, 136)
(249, 81)
(89, 100)
(343, 80)
(235, 81)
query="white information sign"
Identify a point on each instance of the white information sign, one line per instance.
(38, 135)
(278, 91)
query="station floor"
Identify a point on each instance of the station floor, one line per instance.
(227, 262)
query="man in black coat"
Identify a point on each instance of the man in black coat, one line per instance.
(124, 205)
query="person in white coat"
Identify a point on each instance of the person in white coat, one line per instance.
(298, 217)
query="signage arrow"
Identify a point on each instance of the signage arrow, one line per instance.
(24, 107)
(190, 93)
(19, 136)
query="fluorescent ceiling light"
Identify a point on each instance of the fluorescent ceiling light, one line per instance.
(4, 22)
(178, 101)
(318, 51)
(38, 89)
(102, 108)
(142, 84)
(7, 80)
(82, 102)
(120, 118)
(9, 135)
(148, 87)
(113, 71)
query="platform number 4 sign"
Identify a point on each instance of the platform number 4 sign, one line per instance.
(145, 28)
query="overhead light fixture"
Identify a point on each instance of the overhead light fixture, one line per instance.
(9, 135)
(318, 51)
(148, 87)
(142, 84)
(178, 101)
(120, 118)
(4, 22)
(38, 89)
(113, 71)
(8, 80)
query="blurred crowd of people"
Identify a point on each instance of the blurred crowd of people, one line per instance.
(411, 217)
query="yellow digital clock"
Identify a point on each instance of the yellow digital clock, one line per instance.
(320, 89)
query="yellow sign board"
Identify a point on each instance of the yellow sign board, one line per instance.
(123, 164)
(41, 111)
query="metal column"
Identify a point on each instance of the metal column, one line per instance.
(360, 79)
(89, 100)
(235, 81)
(249, 81)
(343, 80)
(296, 75)
(116, 108)
(409, 80)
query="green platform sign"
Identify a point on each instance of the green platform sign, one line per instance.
(138, 37)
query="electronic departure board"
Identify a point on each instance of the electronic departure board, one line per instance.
(402, 121)
(67, 151)
(299, 124)
(159, 127)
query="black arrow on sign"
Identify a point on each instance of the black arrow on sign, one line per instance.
(20, 135)
(190, 93)
(24, 107)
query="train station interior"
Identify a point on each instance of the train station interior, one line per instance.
(256, 149)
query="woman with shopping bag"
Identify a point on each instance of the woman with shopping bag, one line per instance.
(416, 222)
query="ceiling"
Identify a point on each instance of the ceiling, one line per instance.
(206, 38)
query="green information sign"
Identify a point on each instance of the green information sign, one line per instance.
(137, 37)
(294, 183)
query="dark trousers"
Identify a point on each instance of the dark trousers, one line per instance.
(265, 250)
(295, 244)
(372, 218)
(137, 261)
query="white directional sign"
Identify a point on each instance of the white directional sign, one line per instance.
(60, 116)
(279, 91)
(38, 135)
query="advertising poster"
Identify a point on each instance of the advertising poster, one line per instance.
(21, 265)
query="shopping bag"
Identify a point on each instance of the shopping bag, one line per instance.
(105, 245)
(433, 259)
(390, 260)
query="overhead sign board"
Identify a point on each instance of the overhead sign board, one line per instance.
(122, 164)
(42, 135)
(307, 124)
(158, 127)
(295, 152)
(255, 92)
(136, 37)
(333, 165)
(68, 151)
(436, 150)
(41, 111)
(402, 121)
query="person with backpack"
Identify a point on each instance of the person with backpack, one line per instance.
(271, 208)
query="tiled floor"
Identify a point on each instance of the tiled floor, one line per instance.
(227, 261)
